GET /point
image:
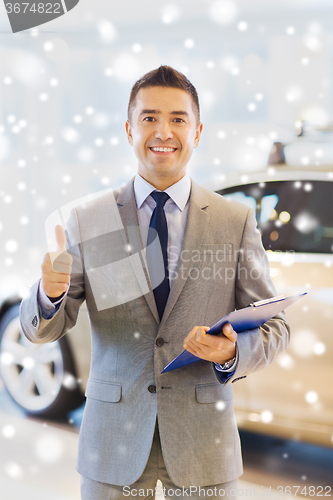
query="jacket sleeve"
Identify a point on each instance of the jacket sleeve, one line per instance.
(257, 348)
(39, 330)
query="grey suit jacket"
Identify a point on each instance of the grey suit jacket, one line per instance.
(223, 266)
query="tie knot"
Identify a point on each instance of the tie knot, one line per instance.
(160, 198)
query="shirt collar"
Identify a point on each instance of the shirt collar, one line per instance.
(178, 192)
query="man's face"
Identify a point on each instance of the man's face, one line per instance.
(163, 118)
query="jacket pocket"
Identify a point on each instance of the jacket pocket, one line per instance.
(212, 393)
(103, 391)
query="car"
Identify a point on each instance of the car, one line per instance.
(43, 380)
(291, 398)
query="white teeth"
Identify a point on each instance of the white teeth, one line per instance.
(163, 149)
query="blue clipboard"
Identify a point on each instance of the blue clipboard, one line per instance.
(250, 317)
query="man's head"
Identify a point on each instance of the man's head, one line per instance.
(163, 125)
(164, 76)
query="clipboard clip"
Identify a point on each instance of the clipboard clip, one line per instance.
(267, 301)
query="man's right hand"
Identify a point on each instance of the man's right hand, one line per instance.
(57, 267)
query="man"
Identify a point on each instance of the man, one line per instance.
(140, 425)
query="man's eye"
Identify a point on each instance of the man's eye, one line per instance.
(179, 120)
(148, 119)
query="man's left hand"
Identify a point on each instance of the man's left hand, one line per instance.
(217, 348)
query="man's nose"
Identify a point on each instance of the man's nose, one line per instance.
(163, 131)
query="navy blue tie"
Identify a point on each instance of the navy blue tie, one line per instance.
(158, 223)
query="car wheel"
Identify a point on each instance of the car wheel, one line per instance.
(40, 378)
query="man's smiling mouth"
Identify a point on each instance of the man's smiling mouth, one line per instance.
(163, 150)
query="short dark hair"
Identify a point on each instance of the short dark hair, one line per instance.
(165, 76)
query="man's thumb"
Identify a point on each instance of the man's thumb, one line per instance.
(60, 239)
(229, 332)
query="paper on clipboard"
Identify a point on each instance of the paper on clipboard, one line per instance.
(250, 317)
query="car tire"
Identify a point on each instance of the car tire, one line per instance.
(40, 378)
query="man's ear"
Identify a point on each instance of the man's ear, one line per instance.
(198, 134)
(129, 132)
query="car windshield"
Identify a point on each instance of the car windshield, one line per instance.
(291, 215)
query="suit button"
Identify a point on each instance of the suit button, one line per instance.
(34, 321)
(159, 342)
(152, 389)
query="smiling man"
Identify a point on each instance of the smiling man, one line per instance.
(140, 425)
(163, 128)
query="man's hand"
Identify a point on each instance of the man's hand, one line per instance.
(217, 348)
(57, 267)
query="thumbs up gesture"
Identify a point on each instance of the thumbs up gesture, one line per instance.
(57, 267)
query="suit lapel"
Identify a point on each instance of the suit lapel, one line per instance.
(129, 227)
(195, 235)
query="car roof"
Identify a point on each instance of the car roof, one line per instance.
(269, 174)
